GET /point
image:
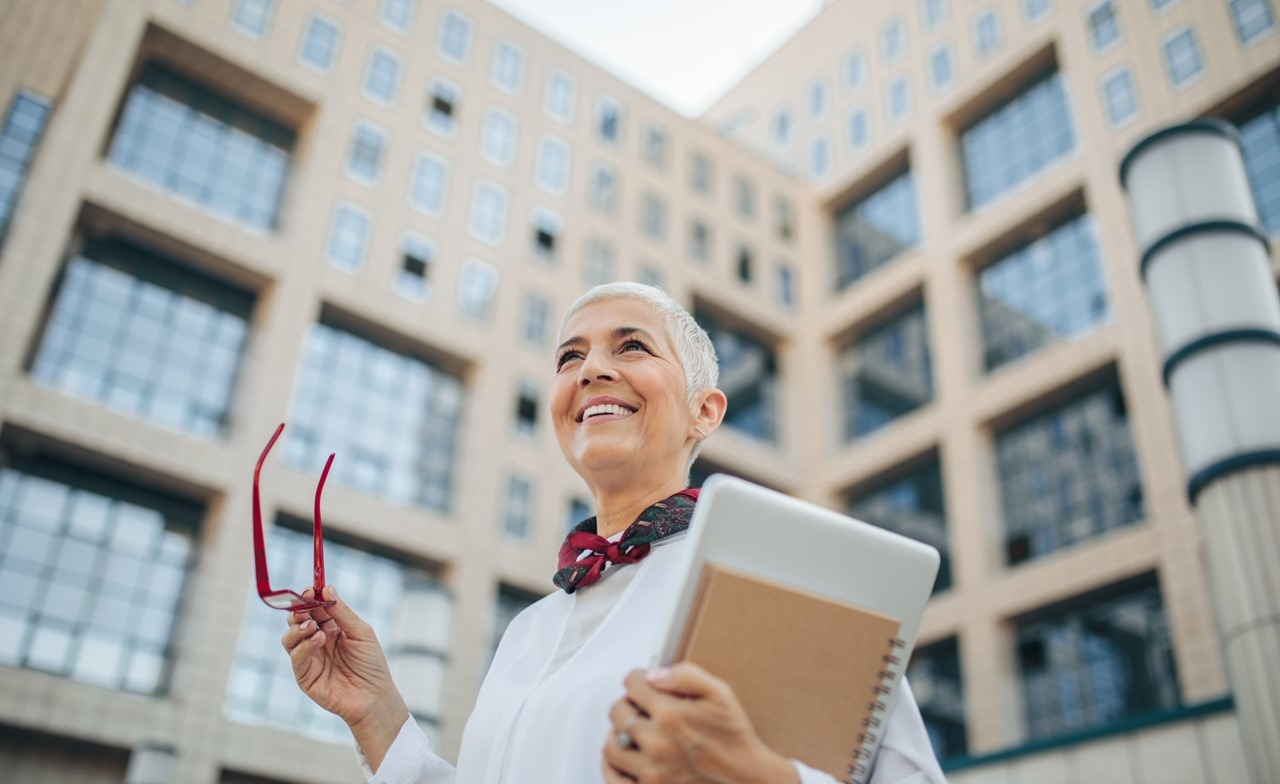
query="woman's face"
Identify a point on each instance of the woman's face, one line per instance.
(618, 401)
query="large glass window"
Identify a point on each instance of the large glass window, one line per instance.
(454, 41)
(382, 76)
(364, 157)
(320, 43)
(1120, 97)
(1068, 475)
(488, 218)
(934, 673)
(911, 505)
(876, 228)
(551, 170)
(748, 376)
(1017, 140)
(348, 237)
(1048, 290)
(886, 373)
(23, 127)
(498, 137)
(407, 607)
(92, 575)
(1096, 660)
(508, 67)
(1252, 18)
(143, 336)
(391, 417)
(1182, 57)
(518, 508)
(430, 185)
(196, 144)
(1260, 141)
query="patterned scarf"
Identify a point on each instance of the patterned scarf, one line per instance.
(665, 518)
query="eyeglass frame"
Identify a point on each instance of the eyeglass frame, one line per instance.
(265, 591)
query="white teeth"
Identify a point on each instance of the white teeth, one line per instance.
(606, 408)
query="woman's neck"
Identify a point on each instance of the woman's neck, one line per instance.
(618, 508)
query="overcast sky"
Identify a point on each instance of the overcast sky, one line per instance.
(686, 53)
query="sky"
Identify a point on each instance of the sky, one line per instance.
(686, 53)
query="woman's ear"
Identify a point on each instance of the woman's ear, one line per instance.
(711, 407)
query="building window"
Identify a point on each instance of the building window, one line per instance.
(1035, 10)
(551, 170)
(699, 240)
(518, 508)
(391, 417)
(942, 69)
(748, 377)
(934, 13)
(1120, 98)
(986, 33)
(348, 237)
(608, 120)
(1048, 290)
(934, 673)
(819, 158)
(1253, 19)
(526, 413)
(320, 43)
(782, 128)
(746, 264)
(602, 190)
(1068, 475)
(416, 254)
(599, 266)
(477, 288)
(198, 145)
(454, 42)
(364, 157)
(700, 173)
(430, 184)
(510, 603)
(1260, 142)
(655, 146)
(786, 286)
(744, 192)
(535, 315)
(1104, 25)
(1182, 57)
(442, 108)
(1013, 143)
(93, 574)
(854, 69)
(876, 228)
(897, 99)
(578, 512)
(913, 506)
(23, 127)
(252, 17)
(382, 76)
(508, 67)
(1097, 660)
(893, 40)
(547, 227)
(398, 14)
(488, 216)
(653, 216)
(498, 137)
(817, 101)
(144, 335)
(858, 130)
(784, 217)
(409, 610)
(560, 100)
(649, 275)
(886, 373)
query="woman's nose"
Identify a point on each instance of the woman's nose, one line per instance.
(594, 367)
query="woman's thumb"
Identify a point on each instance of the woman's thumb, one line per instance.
(340, 612)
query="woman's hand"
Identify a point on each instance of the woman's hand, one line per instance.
(339, 664)
(689, 728)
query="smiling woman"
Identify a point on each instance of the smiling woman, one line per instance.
(633, 397)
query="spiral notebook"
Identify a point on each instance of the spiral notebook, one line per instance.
(810, 615)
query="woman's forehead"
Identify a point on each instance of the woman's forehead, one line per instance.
(607, 317)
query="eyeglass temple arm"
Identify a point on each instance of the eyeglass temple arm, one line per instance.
(259, 544)
(319, 555)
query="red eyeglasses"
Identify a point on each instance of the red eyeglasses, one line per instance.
(286, 599)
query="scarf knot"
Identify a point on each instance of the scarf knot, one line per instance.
(585, 555)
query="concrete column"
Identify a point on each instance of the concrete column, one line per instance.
(1206, 265)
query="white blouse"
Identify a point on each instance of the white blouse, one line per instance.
(542, 711)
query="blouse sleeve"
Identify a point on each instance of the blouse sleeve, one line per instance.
(410, 760)
(905, 755)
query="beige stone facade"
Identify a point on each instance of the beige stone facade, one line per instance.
(84, 56)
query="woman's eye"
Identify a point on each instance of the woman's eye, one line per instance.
(565, 357)
(634, 344)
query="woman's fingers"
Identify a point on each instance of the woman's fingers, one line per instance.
(686, 679)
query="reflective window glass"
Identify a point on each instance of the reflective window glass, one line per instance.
(876, 228)
(23, 127)
(1182, 57)
(1260, 142)
(320, 43)
(886, 373)
(911, 505)
(748, 377)
(935, 677)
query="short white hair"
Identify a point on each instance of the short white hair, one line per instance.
(694, 349)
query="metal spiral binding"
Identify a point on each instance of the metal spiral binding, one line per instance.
(868, 738)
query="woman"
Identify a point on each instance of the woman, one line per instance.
(564, 700)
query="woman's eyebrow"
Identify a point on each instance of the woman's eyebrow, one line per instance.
(618, 333)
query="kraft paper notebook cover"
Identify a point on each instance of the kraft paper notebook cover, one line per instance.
(793, 589)
(806, 668)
